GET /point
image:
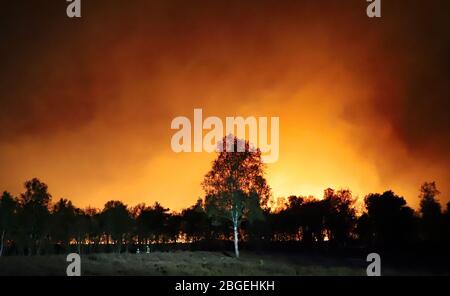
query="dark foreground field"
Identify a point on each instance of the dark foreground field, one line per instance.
(192, 263)
(175, 263)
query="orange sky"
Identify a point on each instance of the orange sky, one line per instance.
(86, 105)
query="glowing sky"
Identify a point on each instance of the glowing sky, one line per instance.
(86, 105)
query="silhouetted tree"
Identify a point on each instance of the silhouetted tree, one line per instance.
(235, 208)
(151, 222)
(81, 226)
(35, 214)
(173, 228)
(258, 231)
(287, 221)
(63, 219)
(158, 221)
(430, 210)
(141, 214)
(94, 229)
(392, 222)
(235, 187)
(8, 219)
(313, 215)
(195, 222)
(117, 222)
(340, 215)
(364, 229)
(137, 232)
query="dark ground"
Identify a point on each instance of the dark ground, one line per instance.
(198, 263)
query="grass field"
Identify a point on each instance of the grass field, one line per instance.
(189, 263)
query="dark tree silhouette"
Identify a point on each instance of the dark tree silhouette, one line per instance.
(140, 227)
(235, 187)
(173, 228)
(287, 221)
(392, 222)
(195, 222)
(63, 220)
(82, 223)
(158, 220)
(35, 214)
(313, 215)
(364, 230)
(235, 208)
(430, 209)
(117, 222)
(340, 215)
(310, 220)
(94, 233)
(151, 223)
(8, 219)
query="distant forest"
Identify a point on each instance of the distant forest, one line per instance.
(235, 210)
(32, 225)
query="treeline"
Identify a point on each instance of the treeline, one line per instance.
(31, 224)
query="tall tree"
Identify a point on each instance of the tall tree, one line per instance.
(195, 222)
(340, 216)
(392, 222)
(235, 187)
(35, 214)
(8, 219)
(430, 210)
(157, 217)
(63, 218)
(287, 219)
(94, 230)
(117, 222)
(139, 227)
(81, 228)
(173, 228)
(313, 213)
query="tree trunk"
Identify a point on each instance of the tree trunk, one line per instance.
(236, 246)
(1, 242)
(79, 246)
